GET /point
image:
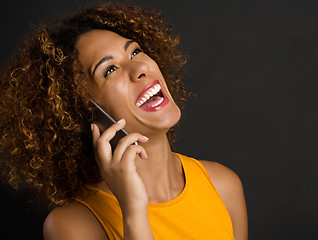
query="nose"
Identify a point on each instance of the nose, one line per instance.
(138, 70)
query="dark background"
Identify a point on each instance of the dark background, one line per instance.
(253, 65)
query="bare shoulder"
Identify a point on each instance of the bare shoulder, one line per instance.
(224, 179)
(230, 188)
(74, 221)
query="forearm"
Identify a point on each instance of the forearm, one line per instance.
(137, 226)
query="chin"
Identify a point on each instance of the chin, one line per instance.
(165, 119)
(170, 120)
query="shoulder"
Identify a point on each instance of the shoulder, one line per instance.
(74, 221)
(230, 188)
(224, 179)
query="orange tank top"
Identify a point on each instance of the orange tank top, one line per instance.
(197, 213)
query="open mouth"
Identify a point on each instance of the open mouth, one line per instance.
(152, 98)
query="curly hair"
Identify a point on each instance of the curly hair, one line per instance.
(45, 113)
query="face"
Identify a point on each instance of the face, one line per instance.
(126, 82)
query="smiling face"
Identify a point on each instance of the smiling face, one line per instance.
(126, 82)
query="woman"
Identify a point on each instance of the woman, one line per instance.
(126, 59)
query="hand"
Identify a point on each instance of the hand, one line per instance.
(118, 169)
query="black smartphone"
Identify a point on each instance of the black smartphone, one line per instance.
(104, 121)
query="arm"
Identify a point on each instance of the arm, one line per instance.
(230, 188)
(137, 226)
(118, 170)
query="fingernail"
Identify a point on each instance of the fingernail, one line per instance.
(146, 138)
(121, 121)
(92, 126)
(144, 155)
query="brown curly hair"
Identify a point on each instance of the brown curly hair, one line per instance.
(45, 113)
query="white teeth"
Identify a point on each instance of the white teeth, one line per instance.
(160, 101)
(149, 93)
(154, 90)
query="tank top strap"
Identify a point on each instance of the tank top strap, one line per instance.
(203, 191)
(193, 167)
(194, 171)
(106, 209)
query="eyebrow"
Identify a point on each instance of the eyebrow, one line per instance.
(104, 59)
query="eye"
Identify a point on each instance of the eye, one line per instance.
(110, 69)
(135, 52)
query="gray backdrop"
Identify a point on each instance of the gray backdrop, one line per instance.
(253, 65)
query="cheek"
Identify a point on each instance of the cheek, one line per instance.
(113, 97)
(154, 67)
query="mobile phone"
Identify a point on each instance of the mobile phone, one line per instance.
(104, 121)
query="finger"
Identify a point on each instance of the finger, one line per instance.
(128, 158)
(100, 146)
(110, 132)
(95, 133)
(126, 142)
(101, 143)
(102, 151)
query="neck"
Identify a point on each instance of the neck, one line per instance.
(158, 172)
(161, 172)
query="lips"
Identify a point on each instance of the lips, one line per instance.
(152, 97)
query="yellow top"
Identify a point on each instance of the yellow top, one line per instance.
(197, 213)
